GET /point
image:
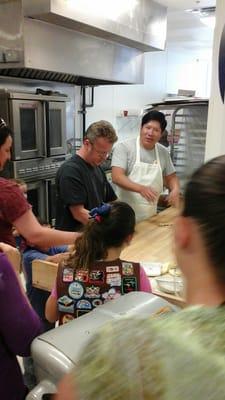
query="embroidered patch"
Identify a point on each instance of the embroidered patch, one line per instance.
(92, 292)
(65, 301)
(96, 276)
(84, 304)
(76, 290)
(96, 302)
(79, 313)
(67, 309)
(127, 268)
(113, 293)
(81, 275)
(129, 284)
(113, 268)
(67, 318)
(113, 279)
(68, 275)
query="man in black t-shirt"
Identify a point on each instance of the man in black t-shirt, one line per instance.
(80, 182)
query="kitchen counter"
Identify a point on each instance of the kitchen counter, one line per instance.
(152, 242)
(153, 239)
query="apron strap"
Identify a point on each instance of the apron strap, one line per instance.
(138, 149)
(157, 155)
(158, 161)
(138, 152)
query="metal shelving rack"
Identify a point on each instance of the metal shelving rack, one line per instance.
(187, 126)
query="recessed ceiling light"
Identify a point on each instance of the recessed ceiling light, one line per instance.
(206, 15)
(204, 11)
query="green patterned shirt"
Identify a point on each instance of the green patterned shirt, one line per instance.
(181, 357)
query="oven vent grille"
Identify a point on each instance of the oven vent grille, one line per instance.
(31, 73)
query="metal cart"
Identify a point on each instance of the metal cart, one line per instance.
(58, 350)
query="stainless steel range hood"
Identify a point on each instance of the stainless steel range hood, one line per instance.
(61, 40)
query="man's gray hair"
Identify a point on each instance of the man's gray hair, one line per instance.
(101, 129)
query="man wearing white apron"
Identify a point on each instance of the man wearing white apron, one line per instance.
(142, 166)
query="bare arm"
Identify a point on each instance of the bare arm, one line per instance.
(172, 183)
(119, 178)
(51, 309)
(80, 213)
(66, 389)
(12, 254)
(14, 257)
(28, 226)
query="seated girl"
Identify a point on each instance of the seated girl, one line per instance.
(95, 274)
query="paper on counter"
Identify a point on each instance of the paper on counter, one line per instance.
(152, 268)
(155, 268)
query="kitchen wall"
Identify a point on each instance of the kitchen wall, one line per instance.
(189, 69)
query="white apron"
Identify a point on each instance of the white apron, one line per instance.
(148, 175)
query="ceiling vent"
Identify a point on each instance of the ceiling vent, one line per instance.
(202, 11)
(206, 15)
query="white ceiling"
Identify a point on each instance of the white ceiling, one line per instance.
(185, 30)
(185, 4)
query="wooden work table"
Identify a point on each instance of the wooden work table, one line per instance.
(153, 241)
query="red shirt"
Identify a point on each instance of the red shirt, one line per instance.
(13, 205)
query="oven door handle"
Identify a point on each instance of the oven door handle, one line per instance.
(49, 210)
(48, 199)
(47, 129)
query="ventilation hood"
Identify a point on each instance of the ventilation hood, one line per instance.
(75, 41)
